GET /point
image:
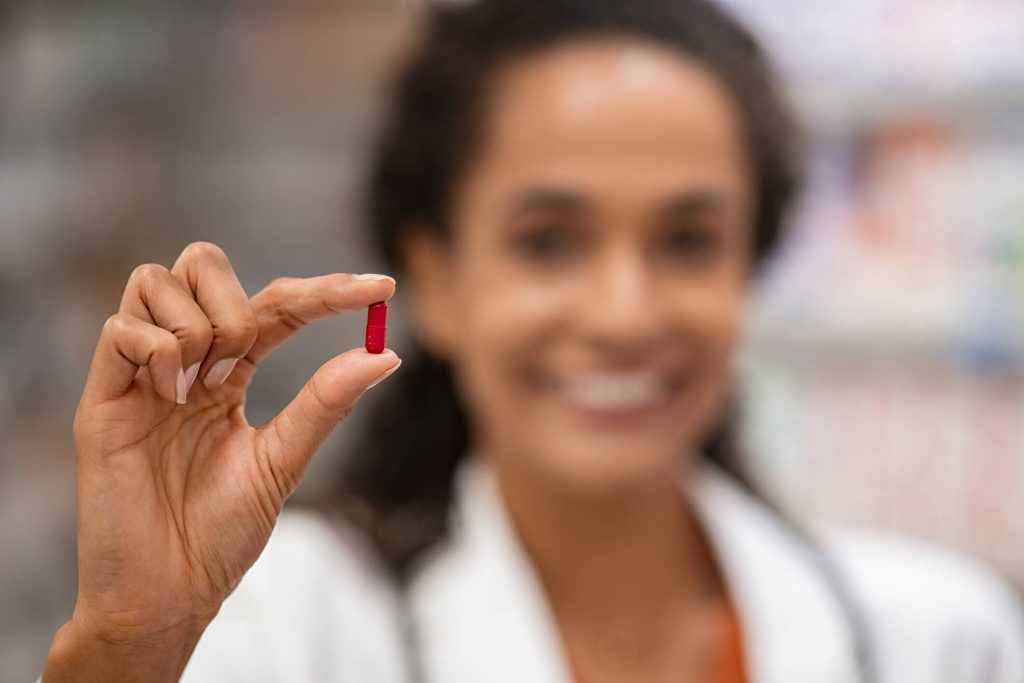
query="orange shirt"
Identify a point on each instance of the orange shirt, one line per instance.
(727, 665)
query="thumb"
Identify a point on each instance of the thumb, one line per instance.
(296, 432)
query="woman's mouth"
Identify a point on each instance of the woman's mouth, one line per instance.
(616, 395)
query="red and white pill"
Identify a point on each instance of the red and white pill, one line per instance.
(376, 326)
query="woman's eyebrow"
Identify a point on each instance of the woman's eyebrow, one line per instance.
(699, 201)
(547, 198)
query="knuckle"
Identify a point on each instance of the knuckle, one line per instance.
(318, 399)
(167, 345)
(147, 272)
(115, 325)
(277, 294)
(249, 328)
(236, 334)
(333, 410)
(204, 251)
(278, 287)
(240, 334)
(199, 333)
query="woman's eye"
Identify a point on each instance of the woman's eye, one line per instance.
(545, 244)
(692, 244)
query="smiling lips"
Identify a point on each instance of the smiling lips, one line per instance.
(612, 394)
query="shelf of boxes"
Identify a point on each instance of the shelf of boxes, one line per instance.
(883, 374)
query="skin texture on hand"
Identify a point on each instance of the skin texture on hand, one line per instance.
(177, 493)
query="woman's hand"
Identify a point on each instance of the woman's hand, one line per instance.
(177, 493)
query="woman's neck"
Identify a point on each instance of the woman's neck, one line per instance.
(624, 556)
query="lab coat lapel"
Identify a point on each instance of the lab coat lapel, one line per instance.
(480, 610)
(482, 616)
(793, 629)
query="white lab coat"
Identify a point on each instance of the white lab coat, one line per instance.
(317, 607)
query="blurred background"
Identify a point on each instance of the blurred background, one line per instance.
(883, 376)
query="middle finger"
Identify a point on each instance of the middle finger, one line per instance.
(206, 271)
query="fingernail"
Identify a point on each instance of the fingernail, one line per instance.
(181, 390)
(374, 277)
(219, 372)
(386, 374)
(190, 376)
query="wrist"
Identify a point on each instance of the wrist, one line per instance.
(86, 651)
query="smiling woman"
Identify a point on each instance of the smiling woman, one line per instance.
(611, 175)
(581, 159)
(578, 194)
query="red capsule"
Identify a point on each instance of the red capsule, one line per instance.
(376, 326)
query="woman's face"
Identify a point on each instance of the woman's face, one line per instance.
(590, 294)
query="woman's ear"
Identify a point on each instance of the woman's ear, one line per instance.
(426, 257)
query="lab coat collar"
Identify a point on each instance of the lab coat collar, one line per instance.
(481, 613)
(793, 626)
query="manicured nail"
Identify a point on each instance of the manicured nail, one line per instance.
(386, 374)
(374, 277)
(190, 376)
(181, 389)
(219, 372)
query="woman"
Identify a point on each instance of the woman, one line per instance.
(578, 195)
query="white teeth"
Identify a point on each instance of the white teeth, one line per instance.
(620, 391)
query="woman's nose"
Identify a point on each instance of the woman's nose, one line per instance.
(621, 306)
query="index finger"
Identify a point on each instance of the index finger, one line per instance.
(287, 304)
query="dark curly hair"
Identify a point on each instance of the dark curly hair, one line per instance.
(397, 484)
